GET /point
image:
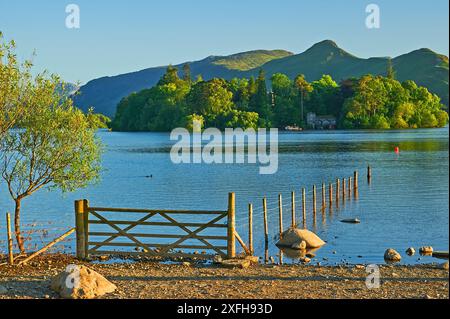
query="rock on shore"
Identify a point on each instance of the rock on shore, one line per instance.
(293, 238)
(391, 255)
(426, 250)
(80, 282)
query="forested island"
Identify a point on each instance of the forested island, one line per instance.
(369, 102)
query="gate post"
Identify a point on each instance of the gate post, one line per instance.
(231, 245)
(86, 228)
(80, 229)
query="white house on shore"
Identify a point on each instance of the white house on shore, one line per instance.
(321, 122)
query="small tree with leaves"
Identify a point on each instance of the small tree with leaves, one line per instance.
(52, 147)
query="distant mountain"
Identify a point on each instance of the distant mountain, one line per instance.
(423, 66)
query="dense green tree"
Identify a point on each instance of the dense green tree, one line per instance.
(160, 108)
(235, 118)
(259, 101)
(187, 73)
(304, 88)
(384, 103)
(171, 76)
(252, 85)
(390, 73)
(241, 93)
(402, 115)
(210, 99)
(286, 112)
(190, 119)
(324, 97)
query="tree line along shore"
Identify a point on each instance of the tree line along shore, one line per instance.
(368, 102)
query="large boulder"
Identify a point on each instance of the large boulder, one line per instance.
(80, 282)
(392, 256)
(293, 238)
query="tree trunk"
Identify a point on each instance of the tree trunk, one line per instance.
(19, 237)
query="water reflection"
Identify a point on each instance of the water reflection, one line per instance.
(297, 254)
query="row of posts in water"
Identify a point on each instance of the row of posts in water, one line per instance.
(344, 190)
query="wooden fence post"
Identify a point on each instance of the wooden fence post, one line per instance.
(330, 194)
(293, 209)
(86, 226)
(10, 241)
(355, 180)
(280, 213)
(369, 174)
(250, 228)
(344, 189)
(349, 187)
(314, 200)
(304, 206)
(266, 232)
(231, 243)
(323, 196)
(80, 229)
(338, 190)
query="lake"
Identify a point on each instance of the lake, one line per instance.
(405, 205)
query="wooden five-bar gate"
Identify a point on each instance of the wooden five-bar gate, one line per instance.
(86, 243)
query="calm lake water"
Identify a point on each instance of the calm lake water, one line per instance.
(406, 204)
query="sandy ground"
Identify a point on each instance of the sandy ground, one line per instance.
(177, 281)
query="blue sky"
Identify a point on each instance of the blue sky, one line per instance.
(120, 36)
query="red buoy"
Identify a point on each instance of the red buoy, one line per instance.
(397, 150)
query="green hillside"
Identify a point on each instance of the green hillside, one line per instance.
(423, 66)
(250, 60)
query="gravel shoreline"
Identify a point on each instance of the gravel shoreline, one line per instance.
(153, 280)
